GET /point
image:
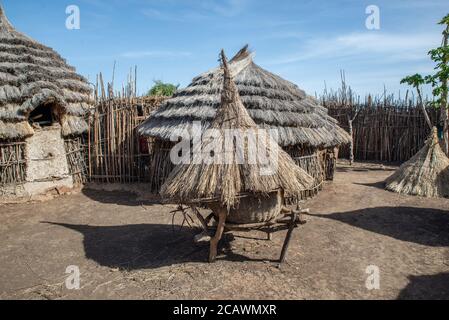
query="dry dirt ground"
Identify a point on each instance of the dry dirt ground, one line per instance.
(126, 248)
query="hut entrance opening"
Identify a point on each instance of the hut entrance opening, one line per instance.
(44, 115)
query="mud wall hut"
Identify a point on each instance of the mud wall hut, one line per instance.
(43, 103)
(305, 130)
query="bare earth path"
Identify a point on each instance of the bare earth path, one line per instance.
(125, 248)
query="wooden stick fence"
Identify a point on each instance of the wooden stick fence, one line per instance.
(12, 163)
(115, 151)
(385, 128)
(75, 152)
(160, 164)
(389, 133)
(312, 161)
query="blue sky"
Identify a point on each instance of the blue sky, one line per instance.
(306, 42)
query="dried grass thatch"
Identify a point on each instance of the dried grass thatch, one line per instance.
(32, 74)
(270, 100)
(225, 182)
(426, 174)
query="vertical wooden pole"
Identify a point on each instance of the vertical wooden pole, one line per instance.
(288, 237)
(218, 234)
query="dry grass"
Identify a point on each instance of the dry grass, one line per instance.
(32, 74)
(227, 179)
(270, 100)
(426, 174)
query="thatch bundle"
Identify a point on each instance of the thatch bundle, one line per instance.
(425, 174)
(270, 100)
(31, 75)
(225, 180)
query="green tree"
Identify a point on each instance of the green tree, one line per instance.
(438, 81)
(416, 81)
(162, 89)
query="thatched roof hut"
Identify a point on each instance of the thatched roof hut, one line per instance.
(426, 174)
(270, 100)
(305, 129)
(43, 104)
(225, 178)
(33, 75)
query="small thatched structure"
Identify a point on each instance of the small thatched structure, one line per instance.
(223, 177)
(43, 102)
(305, 129)
(426, 174)
(219, 183)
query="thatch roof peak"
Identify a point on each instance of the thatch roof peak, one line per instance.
(231, 114)
(272, 102)
(8, 30)
(4, 22)
(425, 174)
(32, 74)
(243, 53)
(224, 181)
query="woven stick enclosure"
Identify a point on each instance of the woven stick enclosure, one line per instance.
(75, 149)
(12, 163)
(320, 164)
(385, 128)
(388, 133)
(116, 153)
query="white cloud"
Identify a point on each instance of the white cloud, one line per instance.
(183, 16)
(417, 4)
(199, 10)
(154, 54)
(286, 35)
(389, 46)
(379, 42)
(156, 14)
(228, 8)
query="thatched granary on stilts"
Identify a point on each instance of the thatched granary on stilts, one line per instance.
(229, 181)
(43, 103)
(426, 174)
(305, 130)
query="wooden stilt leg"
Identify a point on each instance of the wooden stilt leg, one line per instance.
(214, 241)
(287, 238)
(269, 235)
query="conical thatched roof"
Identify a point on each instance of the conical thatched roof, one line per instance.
(270, 100)
(425, 174)
(226, 180)
(32, 74)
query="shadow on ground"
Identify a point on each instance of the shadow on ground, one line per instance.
(428, 287)
(358, 169)
(428, 227)
(125, 198)
(141, 246)
(377, 185)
